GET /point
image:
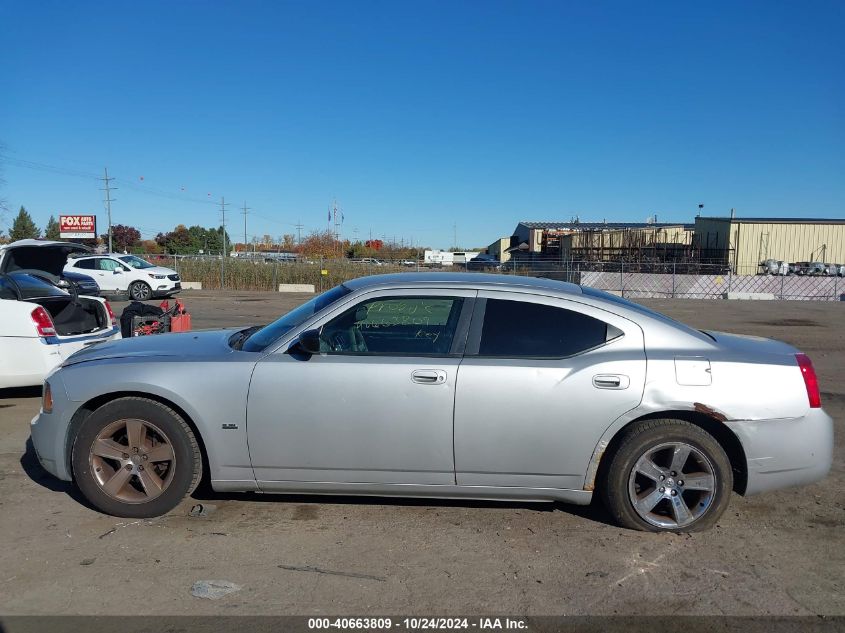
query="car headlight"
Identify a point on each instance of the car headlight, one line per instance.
(156, 276)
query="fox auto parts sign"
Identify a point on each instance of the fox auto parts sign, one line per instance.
(77, 226)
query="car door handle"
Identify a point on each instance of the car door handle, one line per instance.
(429, 376)
(611, 381)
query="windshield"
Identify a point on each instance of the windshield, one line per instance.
(31, 287)
(269, 333)
(136, 262)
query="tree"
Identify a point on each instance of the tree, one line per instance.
(123, 237)
(23, 227)
(52, 230)
(287, 243)
(183, 240)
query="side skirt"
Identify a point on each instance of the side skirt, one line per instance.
(486, 493)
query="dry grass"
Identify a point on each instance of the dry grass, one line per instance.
(246, 275)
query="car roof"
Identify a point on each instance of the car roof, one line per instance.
(32, 242)
(474, 280)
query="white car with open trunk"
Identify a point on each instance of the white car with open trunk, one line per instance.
(41, 324)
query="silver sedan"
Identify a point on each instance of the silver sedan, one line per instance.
(446, 386)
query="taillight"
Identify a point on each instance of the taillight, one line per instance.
(43, 322)
(111, 314)
(810, 380)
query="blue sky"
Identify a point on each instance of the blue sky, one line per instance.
(425, 115)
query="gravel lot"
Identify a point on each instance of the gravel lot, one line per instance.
(779, 553)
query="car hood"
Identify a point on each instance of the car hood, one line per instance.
(185, 345)
(156, 270)
(49, 257)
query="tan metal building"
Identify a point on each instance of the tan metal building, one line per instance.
(743, 243)
(499, 249)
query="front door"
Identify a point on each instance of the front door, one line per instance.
(375, 406)
(541, 380)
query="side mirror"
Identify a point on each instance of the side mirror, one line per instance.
(117, 271)
(309, 341)
(63, 283)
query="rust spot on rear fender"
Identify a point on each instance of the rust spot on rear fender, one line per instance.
(713, 413)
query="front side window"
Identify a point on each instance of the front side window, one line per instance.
(515, 329)
(401, 326)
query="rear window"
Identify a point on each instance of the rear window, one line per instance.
(32, 287)
(519, 329)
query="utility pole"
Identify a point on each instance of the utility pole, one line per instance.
(223, 252)
(299, 228)
(245, 212)
(108, 189)
(455, 229)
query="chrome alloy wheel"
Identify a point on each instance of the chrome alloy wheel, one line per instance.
(672, 485)
(132, 461)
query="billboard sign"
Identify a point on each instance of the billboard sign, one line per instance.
(78, 226)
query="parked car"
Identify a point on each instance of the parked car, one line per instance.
(41, 325)
(83, 284)
(483, 263)
(370, 261)
(465, 385)
(833, 270)
(44, 258)
(808, 268)
(127, 274)
(774, 267)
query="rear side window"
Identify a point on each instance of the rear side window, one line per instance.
(109, 264)
(86, 264)
(516, 329)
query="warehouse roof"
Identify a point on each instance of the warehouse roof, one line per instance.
(590, 226)
(777, 220)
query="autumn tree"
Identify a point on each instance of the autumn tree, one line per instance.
(321, 244)
(123, 237)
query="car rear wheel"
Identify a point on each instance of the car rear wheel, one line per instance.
(140, 291)
(135, 457)
(668, 476)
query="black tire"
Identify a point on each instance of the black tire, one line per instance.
(180, 482)
(140, 291)
(660, 438)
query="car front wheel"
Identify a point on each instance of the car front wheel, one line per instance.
(135, 457)
(668, 476)
(140, 291)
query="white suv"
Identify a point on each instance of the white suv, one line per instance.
(116, 273)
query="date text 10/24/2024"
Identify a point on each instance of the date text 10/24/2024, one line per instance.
(419, 623)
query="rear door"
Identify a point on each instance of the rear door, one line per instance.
(541, 380)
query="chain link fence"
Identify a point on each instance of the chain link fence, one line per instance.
(691, 280)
